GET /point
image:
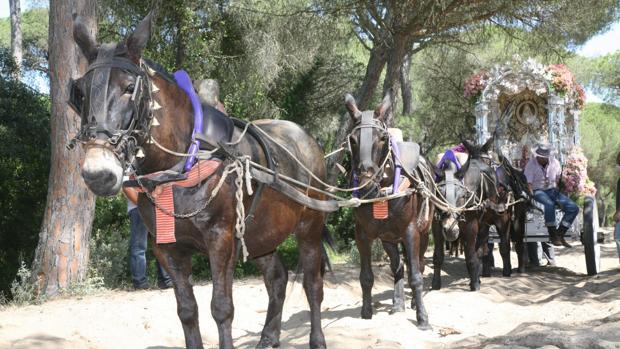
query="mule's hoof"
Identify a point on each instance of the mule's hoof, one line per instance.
(520, 270)
(266, 343)
(507, 273)
(367, 316)
(397, 308)
(474, 287)
(436, 285)
(424, 326)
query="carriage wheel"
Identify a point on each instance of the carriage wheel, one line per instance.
(589, 236)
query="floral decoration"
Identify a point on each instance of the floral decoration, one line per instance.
(575, 175)
(475, 85)
(517, 75)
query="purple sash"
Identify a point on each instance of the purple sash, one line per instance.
(185, 83)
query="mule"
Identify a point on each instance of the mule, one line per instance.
(480, 198)
(408, 219)
(134, 114)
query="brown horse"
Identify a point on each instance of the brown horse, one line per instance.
(408, 219)
(124, 102)
(478, 193)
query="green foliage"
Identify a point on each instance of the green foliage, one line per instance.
(24, 169)
(34, 37)
(601, 74)
(376, 253)
(22, 289)
(599, 127)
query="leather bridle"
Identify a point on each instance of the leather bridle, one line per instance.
(95, 131)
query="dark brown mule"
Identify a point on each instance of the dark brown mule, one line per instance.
(407, 223)
(513, 188)
(110, 141)
(479, 184)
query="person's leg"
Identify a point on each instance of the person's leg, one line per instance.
(570, 213)
(617, 237)
(163, 279)
(547, 198)
(548, 252)
(570, 209)
(544, 198)
(137, 250)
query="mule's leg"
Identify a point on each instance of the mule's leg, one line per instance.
(504, 228)
(398, 301)
(471, 255)
(222, 260)
(416, 282)
(311, 258)
(178, 264)
(438, 254)
(518, 233)
(367, 279)
(275, 277)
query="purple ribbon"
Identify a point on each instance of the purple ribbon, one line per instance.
(397, 165)
(449, 155)
(185, 83)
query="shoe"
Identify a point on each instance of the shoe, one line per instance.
(164, 284)
(554, 238)
(144, 286)
(560, 234)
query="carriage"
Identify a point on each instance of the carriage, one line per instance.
(522, 103)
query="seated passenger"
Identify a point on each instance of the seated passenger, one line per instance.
(543, 173)
(209, 93)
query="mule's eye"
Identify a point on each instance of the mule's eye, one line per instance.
(129, 89)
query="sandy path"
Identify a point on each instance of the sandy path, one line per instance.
(557, 306)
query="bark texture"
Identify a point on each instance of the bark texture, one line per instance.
(16, 33)
(61, 257)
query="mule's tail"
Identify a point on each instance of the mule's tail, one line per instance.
(326, 238)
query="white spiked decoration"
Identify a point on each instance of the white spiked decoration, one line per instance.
(150, 70)
(150, 140)
(154, 122)
(341, 168)
(155, 106)
(154, 88)
(140, 153)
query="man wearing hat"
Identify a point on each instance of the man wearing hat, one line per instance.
(543, 173)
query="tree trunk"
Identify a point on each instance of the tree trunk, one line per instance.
(396, 56)
(61, 257)
(405, 86)
(16, 33)
(363, 95)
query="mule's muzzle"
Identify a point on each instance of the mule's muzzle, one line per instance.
(450, 228)
(102, 171)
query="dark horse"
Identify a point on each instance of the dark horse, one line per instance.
(115, 126)
(479, 200)
(408, 219)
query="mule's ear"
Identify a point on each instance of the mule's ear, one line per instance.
(349, 102)
(471, 148)
(487, 146)
(136, 42)
(83, 38)
(384, 106)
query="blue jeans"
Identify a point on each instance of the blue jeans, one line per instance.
(617, 237)
(549, 198)
(137, 252)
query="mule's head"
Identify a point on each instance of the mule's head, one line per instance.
(462, 187)
(113, 101)
(369, 143)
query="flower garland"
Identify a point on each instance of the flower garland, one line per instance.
(557, 77)
(575, 175)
